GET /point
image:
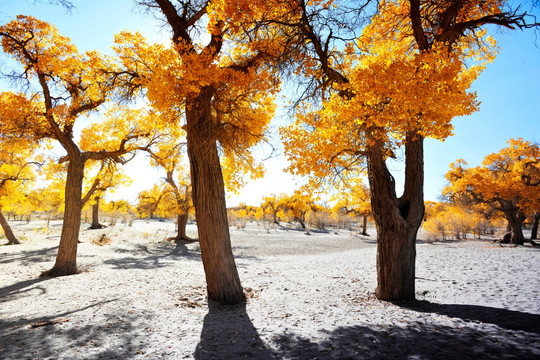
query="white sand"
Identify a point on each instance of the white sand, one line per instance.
(142, 297)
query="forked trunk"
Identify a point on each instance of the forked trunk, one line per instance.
(397, 220)
(66, 259)
(10, 236)
(208, 191)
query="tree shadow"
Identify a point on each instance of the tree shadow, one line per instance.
(62, 337)
(142, 257)
(411, 341)
(228, 333)
(506, 319)
(26, 286)
(29, 256)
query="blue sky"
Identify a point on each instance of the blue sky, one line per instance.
(508, 90)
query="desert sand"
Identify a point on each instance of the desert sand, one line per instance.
(309, 297)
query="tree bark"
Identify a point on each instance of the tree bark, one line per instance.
(95, 215)
(66, 259)
(208, 191)
(515, 220)
(397, 220)
(12, 239)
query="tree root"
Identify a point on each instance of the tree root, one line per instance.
(59, 271)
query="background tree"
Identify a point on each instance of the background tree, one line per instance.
(534, 230)
(507, 180)
(118, 208)
(411, 51)
(297, 206)
(149, 200)
(16, 170)
(168, 153)
(47, 201)
(271, 206)
(446, 220)
(107, 176)
(353, 199)
(225, 91)
(70, 85)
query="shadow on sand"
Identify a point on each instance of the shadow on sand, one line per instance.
(229, 333)
(22, 287)
(118, 338)
(143, 257)
(506, 319)
(414, 341)
(24, 257)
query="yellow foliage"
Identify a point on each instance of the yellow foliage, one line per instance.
(394, 89)
(352, 198)
(507, 179)
(17, 171)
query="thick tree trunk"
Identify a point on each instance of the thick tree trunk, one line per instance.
(12, 239)
(397, 220)
(95, 215)
(223, 282)
(534, 231)
(66, 259)
(515, 220)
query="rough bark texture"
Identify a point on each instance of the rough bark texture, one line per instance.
(397, 220)
(66, 259)
(515, 220)
(10, 236)
(95, 215)
(223, 282)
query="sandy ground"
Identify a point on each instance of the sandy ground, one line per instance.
(311, 297)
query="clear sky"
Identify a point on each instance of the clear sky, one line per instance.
(509, 91)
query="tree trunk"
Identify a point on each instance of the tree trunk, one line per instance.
(182, 222)
(208, 191)
(515, 220)
(302, 223)
(66, 259)
(397, 220)
(95, 215)
(364, 225)
(12, 239)
(275, 218)
(534, 231)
